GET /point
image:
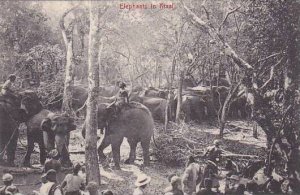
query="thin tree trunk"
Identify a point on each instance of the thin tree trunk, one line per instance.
(178, 46)
(67, 34)
(92, 167)
(225, 106)
(179, 96)
(69, 79)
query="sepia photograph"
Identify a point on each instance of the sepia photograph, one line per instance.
(149, 97)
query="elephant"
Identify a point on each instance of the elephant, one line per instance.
(137, 89)
(156, 105)
(193, 108)
(135, 123)
(11, 115)
(108, 91)
(79, 97)
(239, 108)
(47, 129)
(152, 92)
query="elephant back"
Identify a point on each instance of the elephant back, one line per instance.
(137, 105)
(36, 120)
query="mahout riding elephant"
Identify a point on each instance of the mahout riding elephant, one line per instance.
(11, 115)
(135, 123)
(48, 130)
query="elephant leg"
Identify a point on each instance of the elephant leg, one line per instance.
(11, 147)
(64, 157)
(116, 154)
(30, 147)
(132, 154)
(146, 145)
(105, 142)
(68, 140)
(43, 154)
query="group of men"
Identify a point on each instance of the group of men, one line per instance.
(187, 184)
(73, 184)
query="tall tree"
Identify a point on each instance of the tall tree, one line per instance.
(67, 33)
(92, 167)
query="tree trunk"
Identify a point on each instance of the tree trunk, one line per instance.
(179, 96)
(225, 106)
(67, 34)
(178, 46)
(69, 79)
(92, 167)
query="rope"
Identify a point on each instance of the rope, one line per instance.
(17, 126)
(4, 149)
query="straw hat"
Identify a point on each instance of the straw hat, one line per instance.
(175, 179)
(217, 142)
(7, 177)
(234, 177)
(142, 180)
(48, 173)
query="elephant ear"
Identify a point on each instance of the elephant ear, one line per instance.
(46, 124)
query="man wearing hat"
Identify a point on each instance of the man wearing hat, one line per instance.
(73, 183)
(213, 153)
(231, 184)
(141, 183)
(8, 184)
(50, 186)
(175, 188)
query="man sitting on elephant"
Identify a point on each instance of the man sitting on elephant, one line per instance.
(8, 87)
(121, 100)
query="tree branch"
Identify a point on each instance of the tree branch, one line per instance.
(271, 74)
(217, 36)
(62, 24)
(268, 57)
(227, 15)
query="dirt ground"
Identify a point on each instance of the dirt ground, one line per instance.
(121, 182)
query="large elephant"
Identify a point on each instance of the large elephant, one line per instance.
(156, 105)
(11, 115)
(79, 97)
(135, 123)
(193, 108)
(48, 130)
(239, 108)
